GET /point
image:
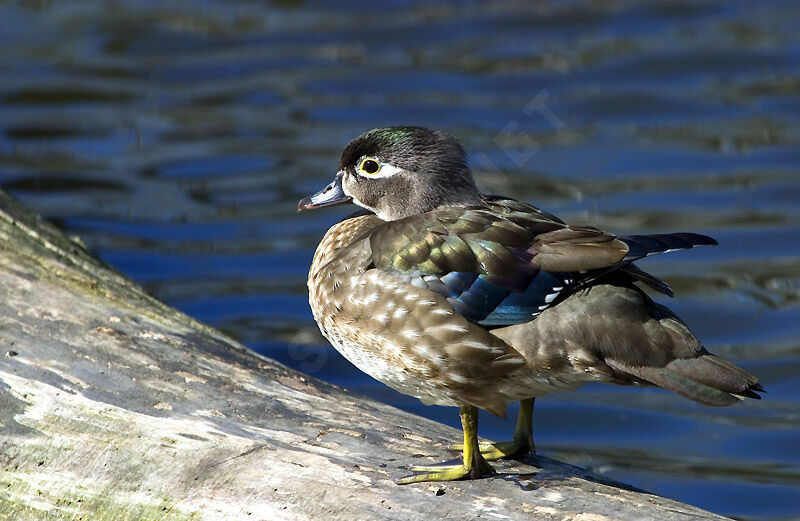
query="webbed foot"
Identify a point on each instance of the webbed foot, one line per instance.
(473, 464)
(424, 473)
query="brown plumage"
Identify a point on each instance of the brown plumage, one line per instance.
(474, 301)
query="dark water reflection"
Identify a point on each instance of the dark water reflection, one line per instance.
(175, 139)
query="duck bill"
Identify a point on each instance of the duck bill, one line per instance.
(328, 196)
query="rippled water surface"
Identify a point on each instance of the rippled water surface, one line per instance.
(176, 137)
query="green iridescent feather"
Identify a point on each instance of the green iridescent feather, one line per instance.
(506, 241)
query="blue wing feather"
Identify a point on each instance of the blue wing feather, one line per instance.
(478, 299)
(518, 308)
(482, 301)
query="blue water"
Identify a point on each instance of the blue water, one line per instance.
(175, 139)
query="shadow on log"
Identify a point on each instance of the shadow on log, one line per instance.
(116, 406)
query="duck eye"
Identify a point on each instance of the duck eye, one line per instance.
(370, 166)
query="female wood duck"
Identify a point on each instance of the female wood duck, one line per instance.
(469, 300)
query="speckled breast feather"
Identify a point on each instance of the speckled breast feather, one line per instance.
(409, 337)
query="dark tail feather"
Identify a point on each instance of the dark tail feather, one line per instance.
(651, 281)
(640, 246)
(714, 371)
(707, 379)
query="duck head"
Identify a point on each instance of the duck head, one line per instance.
(396, 172)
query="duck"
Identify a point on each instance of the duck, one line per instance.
(476, 301)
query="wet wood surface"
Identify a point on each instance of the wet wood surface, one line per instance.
(116, 406)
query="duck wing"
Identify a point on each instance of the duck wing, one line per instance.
(505, 262)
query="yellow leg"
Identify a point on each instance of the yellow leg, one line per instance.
(520, 445)
(473, 463)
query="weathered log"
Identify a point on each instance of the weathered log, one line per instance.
(116, 406)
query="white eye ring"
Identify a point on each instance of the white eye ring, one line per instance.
(384, 169)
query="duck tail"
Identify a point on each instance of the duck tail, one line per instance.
(680, 363)
(640, 246)
(707, 379)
